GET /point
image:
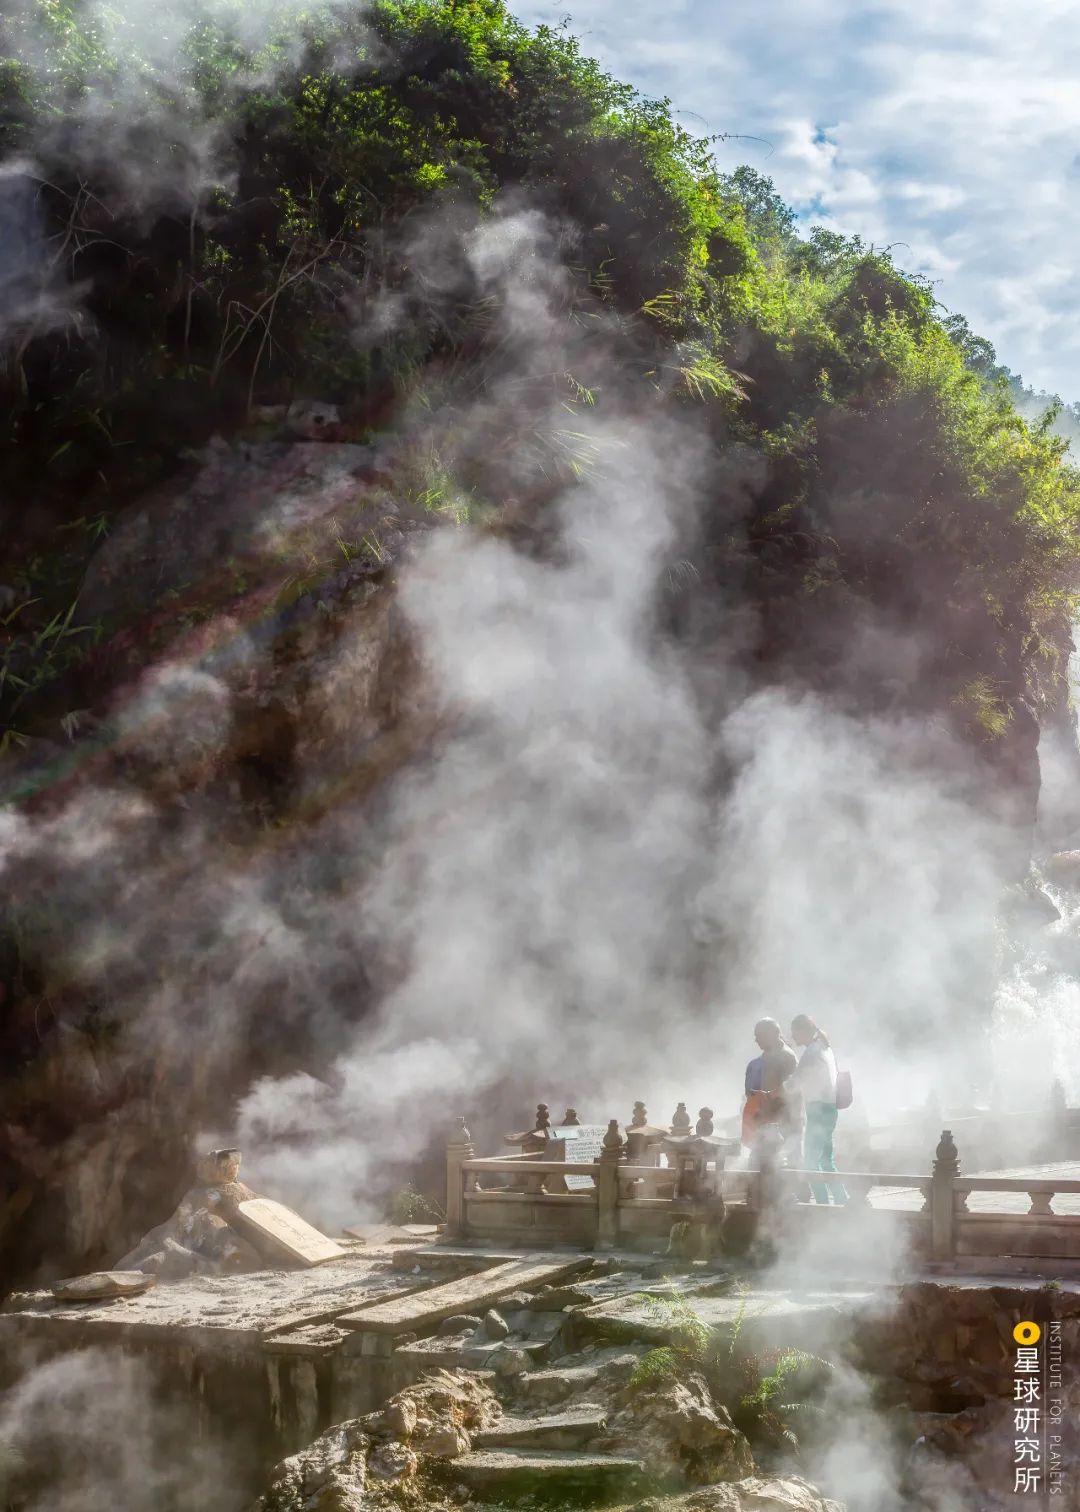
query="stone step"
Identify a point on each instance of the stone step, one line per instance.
(575, 1375)
(510, 1474)
(559, 1430)
(547, 1387)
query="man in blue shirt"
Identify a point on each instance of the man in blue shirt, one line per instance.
(769, 1116)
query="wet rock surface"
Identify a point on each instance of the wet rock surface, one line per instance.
(755, 1494)
(261, 495)
(681, 1432)
(329, 1476)
(224, 695)
(355, 1465)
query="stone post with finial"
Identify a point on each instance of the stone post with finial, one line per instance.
(943, 1198)
(680, 1121)
(607, 1187)
(635, 1136)
(535, 1142)
(459, 1149)
(570, 1119)
(704, 1125)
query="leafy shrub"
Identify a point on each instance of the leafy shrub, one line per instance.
(763, 1390)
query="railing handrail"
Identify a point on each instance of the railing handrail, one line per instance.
(499, 1163)
(1020, 1184)
(520, 1159)
(506, 1164)
(868, 1178)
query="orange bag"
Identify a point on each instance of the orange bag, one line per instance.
(751, 1118)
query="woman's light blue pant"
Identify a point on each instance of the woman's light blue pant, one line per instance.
(818, 1149)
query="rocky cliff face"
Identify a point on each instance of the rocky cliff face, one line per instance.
(235, 714)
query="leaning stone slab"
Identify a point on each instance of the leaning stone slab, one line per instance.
(100, 1286)
(277, 1230)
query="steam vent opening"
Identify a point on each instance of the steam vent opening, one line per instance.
(539, 767)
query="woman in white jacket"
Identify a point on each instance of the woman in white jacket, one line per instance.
(815, 1077)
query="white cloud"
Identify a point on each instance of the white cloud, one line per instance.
(951, 133)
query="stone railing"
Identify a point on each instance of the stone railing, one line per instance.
(633, 1201)
(624, 1196)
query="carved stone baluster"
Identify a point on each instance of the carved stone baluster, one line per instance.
(943, 1198)
(1041, 1204)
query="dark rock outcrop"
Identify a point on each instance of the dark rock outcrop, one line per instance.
(235, 714)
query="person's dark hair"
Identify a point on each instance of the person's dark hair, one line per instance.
(804, 1022)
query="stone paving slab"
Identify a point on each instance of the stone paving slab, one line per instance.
(252, 1304)
(466, 1294)
(763, 1318)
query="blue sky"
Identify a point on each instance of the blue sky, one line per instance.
(950, 133)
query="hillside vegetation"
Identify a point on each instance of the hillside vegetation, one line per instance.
(229, 223)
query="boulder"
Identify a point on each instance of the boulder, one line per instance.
(789, 1493)
(461, 1323)
(1063, 869)
(328, 1476)
(445, 1442)
(511, 1362)
(495, 1325)
(197, 1238)
(675, 1424)
(262, 497)
(99, 1286)
(341, 1470)
(175, 1261)
(448, 1398)
(400, 1417)
(515, 1301)
(306, 419)
(1027, 906)
(392, 1461)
